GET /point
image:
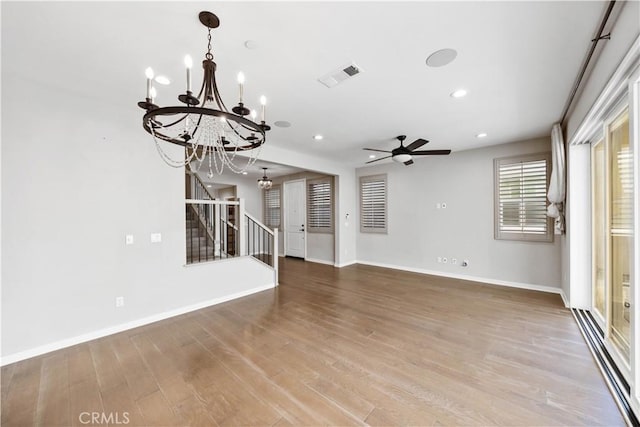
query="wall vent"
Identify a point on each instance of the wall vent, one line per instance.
(338, 76)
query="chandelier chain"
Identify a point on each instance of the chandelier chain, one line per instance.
(209, 55)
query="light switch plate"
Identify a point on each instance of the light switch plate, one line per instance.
(129, 239)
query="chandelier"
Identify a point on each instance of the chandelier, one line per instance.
(203, 124)
(265, 183)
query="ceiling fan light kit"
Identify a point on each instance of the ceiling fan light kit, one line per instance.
(202, 123)
(401, 158)
(404, 154)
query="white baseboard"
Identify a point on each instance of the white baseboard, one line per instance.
(564, 298)
(530, 286)
(79, 339)
(319, 261)
(345, 264)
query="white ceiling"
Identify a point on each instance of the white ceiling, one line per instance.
(517, 60)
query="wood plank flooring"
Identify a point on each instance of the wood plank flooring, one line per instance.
(351, 346)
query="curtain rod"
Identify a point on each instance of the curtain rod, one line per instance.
(594, 43)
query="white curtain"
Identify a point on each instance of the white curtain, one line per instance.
(556, 191)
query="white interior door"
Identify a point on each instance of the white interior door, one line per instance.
(295, 214)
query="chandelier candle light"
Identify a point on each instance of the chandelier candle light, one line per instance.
(204, 125)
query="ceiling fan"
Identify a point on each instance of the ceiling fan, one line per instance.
(404, 154)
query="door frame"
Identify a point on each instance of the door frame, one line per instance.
(284, 213)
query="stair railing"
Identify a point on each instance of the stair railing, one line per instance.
(214, 237)
(261, 242)
(227, 228)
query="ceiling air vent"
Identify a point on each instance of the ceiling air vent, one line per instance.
(338, 76)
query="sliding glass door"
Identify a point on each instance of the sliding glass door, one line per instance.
(621, 229)
(612, 192)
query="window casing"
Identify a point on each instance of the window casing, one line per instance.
(521, 184)
(320, 205)
(373, 204)
(272, 206)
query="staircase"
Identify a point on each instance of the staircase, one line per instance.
(217, 229)
(200, 245)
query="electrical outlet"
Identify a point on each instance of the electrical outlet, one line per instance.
(438, 205)
(119, 302)
(156, 237)
(454, 260)
(439, 259)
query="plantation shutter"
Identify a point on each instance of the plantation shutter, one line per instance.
(521, 198)
(319, 206)
(272, 207)
(373, 204)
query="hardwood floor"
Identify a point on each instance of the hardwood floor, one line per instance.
(351, 346)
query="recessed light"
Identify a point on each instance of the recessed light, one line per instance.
(282, 124)
(372, 156)
(163, 80)
(481, 135)
(245, 173)
(441, 57)
(318, 137)
(459, 93)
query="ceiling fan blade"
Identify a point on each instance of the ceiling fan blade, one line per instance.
(416, 144)
(430, 152)
(376, 160)
(408, 162)
(373, 149)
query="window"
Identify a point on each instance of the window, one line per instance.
(272, 205)
(373, 204)
(319, 206)
(521, 198)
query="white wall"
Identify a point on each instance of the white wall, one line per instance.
(77, 176)
(579, 219)
(226, 193)
(245, 187)
(418, 232)
(320, 247)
